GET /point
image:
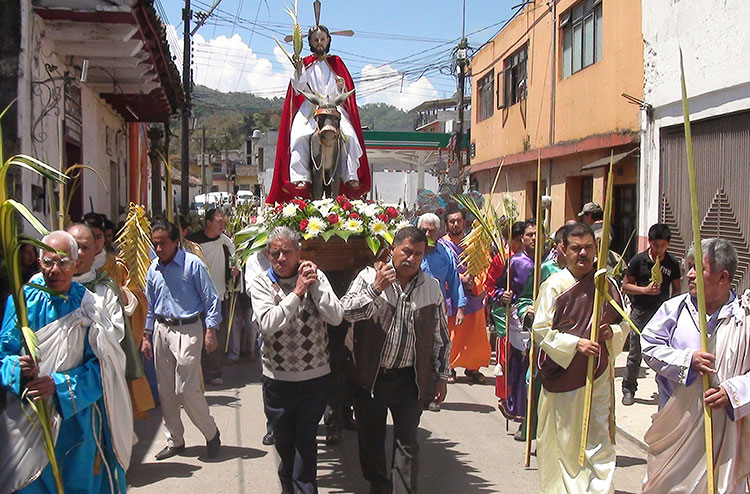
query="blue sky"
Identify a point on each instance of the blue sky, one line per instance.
(400, 55)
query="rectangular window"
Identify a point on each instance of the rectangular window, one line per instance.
(587, 189)
(582, 36)
(485, 87)
(514, 70)
(217, 167)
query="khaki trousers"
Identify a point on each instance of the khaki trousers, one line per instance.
(177, 358)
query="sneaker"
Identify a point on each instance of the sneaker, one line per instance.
(217, 381)
(452, 377)
(434, 406)
(628, 397)
(520, 434)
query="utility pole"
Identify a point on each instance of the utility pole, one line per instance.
(203, 160)
(187, 84)
(228, 163)
(461, 53)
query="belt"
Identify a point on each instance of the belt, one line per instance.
(178, 322)
(393, 372)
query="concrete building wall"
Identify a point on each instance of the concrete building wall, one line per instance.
(590, 117)
(588, 102)
(715, 40)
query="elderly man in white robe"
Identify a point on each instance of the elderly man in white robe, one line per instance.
(672, 348)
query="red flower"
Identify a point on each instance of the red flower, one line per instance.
(341, 200)
(279, 207)
(391, 212)
(333, 218)
(354, 216)
(300, 203)
(383, 217)
(303, 225)
(346, 206)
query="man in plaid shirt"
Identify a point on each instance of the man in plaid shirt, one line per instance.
(400, 350)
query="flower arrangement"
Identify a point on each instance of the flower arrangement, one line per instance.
(377, 222)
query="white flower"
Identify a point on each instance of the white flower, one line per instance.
(357, 203)
(369, 210)
(315, 226)
(322, 203)
(377, 227)
(325, 209)
(353, 225)
(289, 210)
(402, 224)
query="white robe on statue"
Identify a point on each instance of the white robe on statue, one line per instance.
(561, 414)
(322, 80)
(676, 442)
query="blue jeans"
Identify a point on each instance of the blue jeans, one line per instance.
(294, 410)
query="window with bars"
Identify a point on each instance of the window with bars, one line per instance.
(582, 36)
(485, 87)
(514, 77)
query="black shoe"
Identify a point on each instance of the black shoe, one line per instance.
(268, 439)
(628, 397)
(520, 434)
(212, 446)
(169, 452)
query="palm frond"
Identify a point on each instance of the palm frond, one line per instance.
(135, 243)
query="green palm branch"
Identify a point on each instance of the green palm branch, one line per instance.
(486, 235)
(11, 243)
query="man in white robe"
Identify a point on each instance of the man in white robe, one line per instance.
(671, 347)
(562, 327)
(318, 74)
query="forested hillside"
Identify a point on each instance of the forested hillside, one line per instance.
(230, 117)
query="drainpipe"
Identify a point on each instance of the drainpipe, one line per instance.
(553, 72)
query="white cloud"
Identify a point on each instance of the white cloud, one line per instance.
(384, 84)
(229, 64)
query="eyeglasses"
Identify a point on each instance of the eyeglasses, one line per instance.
(62, 263)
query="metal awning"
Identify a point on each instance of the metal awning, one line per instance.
(601, 162)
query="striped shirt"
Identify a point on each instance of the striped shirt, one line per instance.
(394, 310)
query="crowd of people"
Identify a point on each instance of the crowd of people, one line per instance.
(387, 339)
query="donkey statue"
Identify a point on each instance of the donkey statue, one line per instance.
(327, 143)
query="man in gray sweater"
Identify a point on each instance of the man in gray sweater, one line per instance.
(294, 302)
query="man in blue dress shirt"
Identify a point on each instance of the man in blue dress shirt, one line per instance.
(179, 290)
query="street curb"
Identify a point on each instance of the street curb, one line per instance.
(633, 439)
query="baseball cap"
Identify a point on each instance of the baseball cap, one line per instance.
(590, 207)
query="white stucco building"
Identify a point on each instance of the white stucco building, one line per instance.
(715, 42)
(89, 76)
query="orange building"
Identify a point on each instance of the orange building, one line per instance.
(551, 84)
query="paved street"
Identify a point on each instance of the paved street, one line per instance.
(465, 449)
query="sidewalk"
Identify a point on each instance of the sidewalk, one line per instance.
(634, 421)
